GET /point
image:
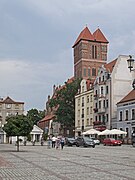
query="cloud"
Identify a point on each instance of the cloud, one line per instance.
(36, 39)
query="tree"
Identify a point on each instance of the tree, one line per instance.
(65, 102)
(35, 115)
(18, 125)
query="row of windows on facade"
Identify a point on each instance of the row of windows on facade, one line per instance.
(101, 89)
(94, 51)
(9, 113)
(126, 115)
(97, 105)
(86, 72)
(92, 47)
(94, 55)
(9, 106)
(90, 122)
(89, 111)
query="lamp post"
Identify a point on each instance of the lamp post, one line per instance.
(130, 62)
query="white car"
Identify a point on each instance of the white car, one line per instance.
(96, 141)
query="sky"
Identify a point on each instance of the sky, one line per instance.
(36, 39)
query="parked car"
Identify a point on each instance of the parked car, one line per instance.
(96, 141)
(85, 142)
(70, 141)
(112, 141)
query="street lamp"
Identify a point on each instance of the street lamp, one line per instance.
(130, 62)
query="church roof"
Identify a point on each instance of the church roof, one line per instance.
(84, 35)
(87, 35)
(99, 36)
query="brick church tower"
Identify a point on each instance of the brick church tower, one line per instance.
(90, 52)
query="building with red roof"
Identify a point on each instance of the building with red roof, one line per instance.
(126, 114)
(90, 52)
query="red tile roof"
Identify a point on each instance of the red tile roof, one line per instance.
(47, 118)
(129, 97)
(99, 36)
(110, 65)
(87, 35)
(84, 35)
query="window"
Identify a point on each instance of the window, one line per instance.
(91, 121)
(94, 52)
(99, 104)
(82, 113)
(87, 122)
(107, 103)
(126, 114)
(8, 106)
(93, 72)
(120, 116)
(88, 71)
(106, 89)
(91, 110)
(79, 102)
(103, 78)
(87, 110)
(90, 98)
(133, 114)
(84, 72)
(87, 99)
(102, 90)
(107, 117)
(17, 106)
(104, 103)
(82, 101)
(78, 122)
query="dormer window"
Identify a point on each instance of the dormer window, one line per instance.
(8, 106)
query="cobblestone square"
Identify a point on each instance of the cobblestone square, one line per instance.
(71, 163)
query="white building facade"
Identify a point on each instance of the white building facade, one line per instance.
(112, 83)
(84, 108)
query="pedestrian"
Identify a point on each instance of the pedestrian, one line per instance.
(53, 141)
(62, 142)
(49, 142)
(42, 141)
(57, 143)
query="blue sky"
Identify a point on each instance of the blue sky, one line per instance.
(36, 38)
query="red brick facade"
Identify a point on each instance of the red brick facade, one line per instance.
(90, 52)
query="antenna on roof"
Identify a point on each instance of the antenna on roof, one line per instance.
(86, 25)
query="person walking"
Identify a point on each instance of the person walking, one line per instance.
(49, 142)
(53, 141)
(62, 142)
(57, 143)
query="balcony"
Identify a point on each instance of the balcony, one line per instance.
(101, 110)
(95, 110)
(102, 96)
(95, 96)
(97, 123)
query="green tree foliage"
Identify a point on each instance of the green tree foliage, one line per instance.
(18, 125)
(65, 103)
(35, 115)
